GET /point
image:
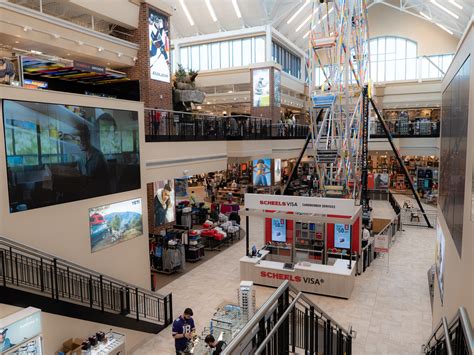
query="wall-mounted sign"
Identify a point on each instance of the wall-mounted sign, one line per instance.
(300, 204)
(35, 84)
(88, 67)
(115, 223)
(261, 87)
(158, 33)
(19, 330)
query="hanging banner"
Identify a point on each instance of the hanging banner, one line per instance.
(158, 33)
(299, 204)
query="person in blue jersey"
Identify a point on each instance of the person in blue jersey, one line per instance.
(183, 331)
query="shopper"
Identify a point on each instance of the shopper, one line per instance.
(213, 344)
(183, 329)
(365, 236)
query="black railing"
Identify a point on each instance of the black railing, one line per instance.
(401, 129)
(30, 270)
(455, 338)
(162, 125)
(288, 322)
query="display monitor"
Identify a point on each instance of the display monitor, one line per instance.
(278, 230)
(115, 223)
(342, 236)
(62, 153)
(158, 33)
(262, 172)
(261, 87)
(277, 171)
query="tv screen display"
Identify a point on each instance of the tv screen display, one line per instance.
(277, 170)
(115, 223)
(63, 153)
(262, 172)
(342, 236)
(278, 230)
(261, 87)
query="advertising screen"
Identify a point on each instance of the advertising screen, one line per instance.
(381, 181)
(61, 153)
(22, 332)
(164, 202)
(158, 33)
(277, 171)
(115, 223)
(261, 88)
(342, 236)
(277, 88)
(278, 230)
(262, 172)
(439, 257)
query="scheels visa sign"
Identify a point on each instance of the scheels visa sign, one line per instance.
(301, 204)
(291, 278)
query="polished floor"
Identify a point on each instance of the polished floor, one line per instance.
(389, 308)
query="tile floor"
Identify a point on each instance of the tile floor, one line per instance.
(389, 308)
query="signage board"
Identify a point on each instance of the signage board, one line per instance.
(278, 230)
(300, 204)
(35, 84)
(21, 328)
(381, 243)
(88, 67)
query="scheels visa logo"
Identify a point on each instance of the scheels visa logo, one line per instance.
(291, 278)
(278, 203)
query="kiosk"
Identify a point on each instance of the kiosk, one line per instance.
(313, 242)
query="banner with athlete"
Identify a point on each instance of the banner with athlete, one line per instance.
(158, 34)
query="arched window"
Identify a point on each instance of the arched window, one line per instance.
(392, 58)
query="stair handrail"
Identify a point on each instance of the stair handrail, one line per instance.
(252, 323)
(443, 324)
(41, 254)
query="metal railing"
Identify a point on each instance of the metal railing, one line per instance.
(30, 270)
(164, 125)
(399, 128)
(289, 321)
(454, 338)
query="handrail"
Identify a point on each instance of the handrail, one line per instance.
(467, 327)
(41, 254)
(277, 325)
(446, 336)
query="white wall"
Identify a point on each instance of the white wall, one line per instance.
(57, 329)
(386, 21)
(63, 230)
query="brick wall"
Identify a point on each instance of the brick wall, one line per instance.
(154, 93)
(271, 111)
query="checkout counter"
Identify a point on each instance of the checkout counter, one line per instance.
(329, 263)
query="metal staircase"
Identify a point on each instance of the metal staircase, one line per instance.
(290, 322)
(29, 277)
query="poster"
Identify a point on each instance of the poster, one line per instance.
(21, 330)
(163, 202)
(278, 230)
(158, 33)
(261, 88)
(277, 171)
(262, 172)
(277, 88)
(381, 181)
(440, 257)
(115, 223)
(342, 236)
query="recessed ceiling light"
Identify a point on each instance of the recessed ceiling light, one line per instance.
(425, 16)
(445, 9)
(305, 21)
(17, 42)
(236, 8)
(108, 63)
(211, 10)
(68, 54)
(444, 28)
(100, 49)
(297, 12)
(452, 2)
(186, 12)
(36, 52)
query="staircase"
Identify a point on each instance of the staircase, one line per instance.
(29, 277)
(454, 338)
(289, 322)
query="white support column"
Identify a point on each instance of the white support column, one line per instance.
(268, 43)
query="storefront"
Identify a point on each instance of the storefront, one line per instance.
(312, 242)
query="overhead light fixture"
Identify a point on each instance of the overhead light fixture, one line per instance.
(425, 16)
(211, 10)
(452, 2)
(135, 59)
(100, 49)
(444, 28)
(186, 11)
(36, 52)
(17, 42)
(56, 36)
(119, 54)
(26, 28)
(305, 21)
(236, 8)
(68, 54)
(307, 34)
(444, 9)
(297, 12)
(80, 43)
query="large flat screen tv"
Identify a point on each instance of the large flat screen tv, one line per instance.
(63, 153)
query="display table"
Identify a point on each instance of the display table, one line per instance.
(331, 280)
